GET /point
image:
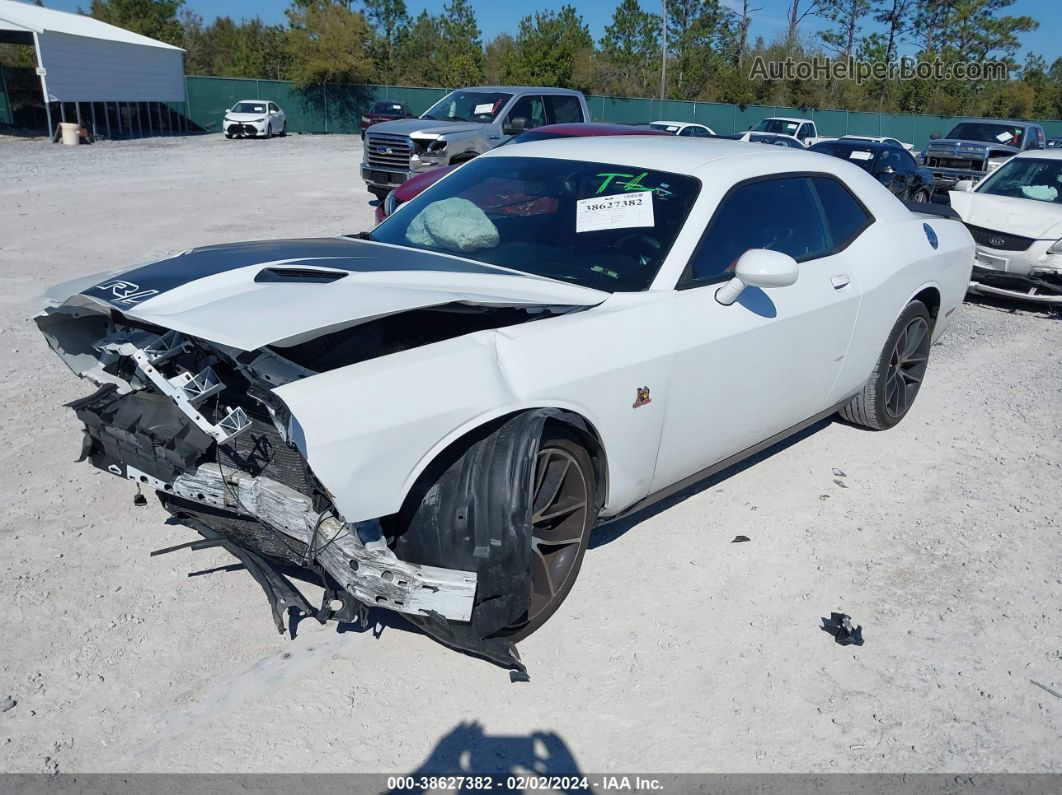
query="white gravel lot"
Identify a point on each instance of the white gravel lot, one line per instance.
(677, 650)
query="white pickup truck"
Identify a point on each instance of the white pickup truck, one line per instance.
(803, 130)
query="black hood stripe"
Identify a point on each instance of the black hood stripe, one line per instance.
(355, 256)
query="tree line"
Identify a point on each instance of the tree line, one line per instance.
(709, 50)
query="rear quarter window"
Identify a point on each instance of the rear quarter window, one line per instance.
(846, 218)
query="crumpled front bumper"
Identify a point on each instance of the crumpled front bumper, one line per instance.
(228, 469)
(1041, 288)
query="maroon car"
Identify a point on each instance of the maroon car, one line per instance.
(416, 185)
(384, 110)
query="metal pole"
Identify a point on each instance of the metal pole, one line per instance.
(62, 111)
(118, 116)
(107, 116)
(44, 86)
(663, 55)
(151, 129)
(139, 122)
(92, 105)
(77, 114)
(158, 109)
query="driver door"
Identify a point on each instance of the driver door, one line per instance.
(745, 372)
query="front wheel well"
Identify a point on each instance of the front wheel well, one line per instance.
(586, 432)
(463, 157)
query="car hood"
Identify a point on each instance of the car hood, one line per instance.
(245, 116)
(995, 148)
(425, 126)
(1026, 217)
(414, 186)
(282, 292)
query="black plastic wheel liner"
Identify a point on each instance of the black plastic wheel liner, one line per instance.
(471, 510)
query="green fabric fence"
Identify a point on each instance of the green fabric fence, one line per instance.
(337, 108)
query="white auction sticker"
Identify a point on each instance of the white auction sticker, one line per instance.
(484, 108)
(1004, 137)
(620, 211)
(857, 155)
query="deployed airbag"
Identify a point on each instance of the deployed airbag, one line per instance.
(454, 224)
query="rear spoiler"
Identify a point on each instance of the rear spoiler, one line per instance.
(925, 208)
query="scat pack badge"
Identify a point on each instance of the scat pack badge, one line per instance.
(642, 397)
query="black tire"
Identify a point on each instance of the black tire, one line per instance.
(897, 377)
(379, 193)
(284, 130)
(474, 510)
(228, 135)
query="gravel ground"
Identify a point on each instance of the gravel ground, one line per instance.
(677, 650)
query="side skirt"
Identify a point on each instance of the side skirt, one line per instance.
(719, 466)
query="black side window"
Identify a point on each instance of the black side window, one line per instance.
(531, 110)
(563, 109)
(909, 163)
(778, 214)
(845, 216)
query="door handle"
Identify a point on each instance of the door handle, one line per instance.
(839, 281)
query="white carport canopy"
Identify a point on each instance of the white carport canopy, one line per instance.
(81, 59)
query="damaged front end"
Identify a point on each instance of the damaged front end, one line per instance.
(198, 423)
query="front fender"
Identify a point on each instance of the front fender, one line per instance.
(369, 430)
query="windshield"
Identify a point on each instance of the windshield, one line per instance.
(1026, 178)
(386, 108)
(479, 106)
(597, 225)
(862, 156)
(671, 128)
(776, 140)
(777, 126)
(988, 133)
(249, 107)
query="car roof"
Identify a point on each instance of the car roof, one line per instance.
(1041, 154)
(678, 123)
(597, 128)
(786, 118)
(860, 144)
(1006, 122)
(661, 153)
(237, 102)
(522, 89)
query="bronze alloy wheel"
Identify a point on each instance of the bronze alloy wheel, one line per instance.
(907, 367)
(562, 515)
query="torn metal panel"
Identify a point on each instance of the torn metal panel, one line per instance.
(374, 576)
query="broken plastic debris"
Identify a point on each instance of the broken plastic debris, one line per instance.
(840, 483)
(739, 539)
(139, 500)
(7, 703)
(837, 473)
(840, 626)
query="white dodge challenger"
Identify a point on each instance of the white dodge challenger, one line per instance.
(432, 417)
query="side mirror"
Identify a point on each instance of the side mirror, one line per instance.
(758, 267)
(515, 126)
(964, 186)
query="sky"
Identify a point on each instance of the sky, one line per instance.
(497, 17)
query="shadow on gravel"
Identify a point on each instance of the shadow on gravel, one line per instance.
(467, 751)
(610, 531)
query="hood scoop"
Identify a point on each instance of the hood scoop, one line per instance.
(298, 276)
